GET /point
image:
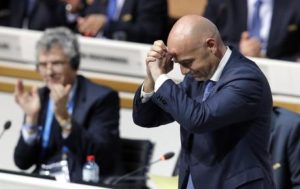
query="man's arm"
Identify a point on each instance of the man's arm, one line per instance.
(26, 155)
(293, 155)
(148, 114)
(235, 102)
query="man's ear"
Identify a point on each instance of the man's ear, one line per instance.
(211, 45)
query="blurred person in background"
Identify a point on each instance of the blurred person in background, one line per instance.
(36, 14)
(4, 12)
(43, 14)
(285, 148)
(141, 21)
(69, 112)
(259, 28)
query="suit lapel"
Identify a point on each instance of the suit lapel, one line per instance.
(278, 8)
(79, 100)
(243, 7)
(127, 11)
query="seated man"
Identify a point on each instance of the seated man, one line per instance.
(69, 112)
(285, 148)
(36, 14)
(129, 20)
(4, 12)
(257, 27)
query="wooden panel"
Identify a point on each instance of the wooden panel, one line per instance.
(290, 106)
(6, 87)
(32, 75)
(19, 73)
(117, 85)
(178, 8)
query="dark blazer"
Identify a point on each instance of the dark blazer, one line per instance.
(223, 139)
(95, 130)
(230, 16)
(4, 12)
(45, 14)
(285, 148)
(141, 21)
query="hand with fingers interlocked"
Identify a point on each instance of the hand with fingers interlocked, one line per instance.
(158, 60)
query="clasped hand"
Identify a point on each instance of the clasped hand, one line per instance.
(159, 60)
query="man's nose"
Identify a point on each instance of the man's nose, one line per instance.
(49, 68)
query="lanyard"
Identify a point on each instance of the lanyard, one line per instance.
(49, 121)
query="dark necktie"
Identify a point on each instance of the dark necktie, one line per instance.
(111, 9)
(208, 88)
(30, 6)
(255, 25)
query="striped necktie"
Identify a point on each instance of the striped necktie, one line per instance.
(208, 88)
(111, 9)
(255, 25)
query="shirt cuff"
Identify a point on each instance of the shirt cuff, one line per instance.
(29, 134)
(145, 96)
(160, 80)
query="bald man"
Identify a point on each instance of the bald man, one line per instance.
(223, 106)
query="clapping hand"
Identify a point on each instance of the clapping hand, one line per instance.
(28, 101)
(59, 94)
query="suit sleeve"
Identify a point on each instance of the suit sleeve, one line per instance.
(146, 24)
(25, 155)
(236, 101)
(293, 154)
(148, 114)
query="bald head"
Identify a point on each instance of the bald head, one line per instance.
(191, 31)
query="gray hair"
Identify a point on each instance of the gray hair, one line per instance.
(64, 38)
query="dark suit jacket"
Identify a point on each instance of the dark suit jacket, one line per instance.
(45, 14)
(4, 12)
(141, 21)
(285, 148)
(224, 139)
(230, 16)
(95, 130)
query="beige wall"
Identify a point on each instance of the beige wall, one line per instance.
(178, 8)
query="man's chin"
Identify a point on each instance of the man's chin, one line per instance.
(199, 78)
(51, 83)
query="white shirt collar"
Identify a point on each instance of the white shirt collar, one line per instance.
(221, 65)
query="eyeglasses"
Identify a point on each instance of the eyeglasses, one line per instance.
(56, 66)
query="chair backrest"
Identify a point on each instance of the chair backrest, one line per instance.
(135, 154)
(135, 158)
